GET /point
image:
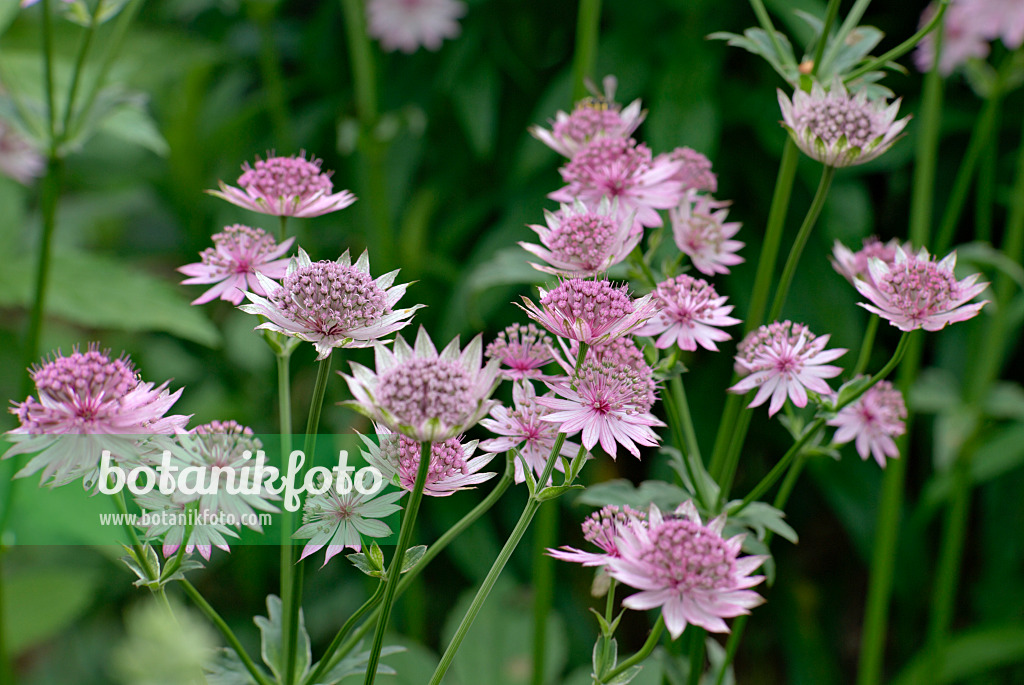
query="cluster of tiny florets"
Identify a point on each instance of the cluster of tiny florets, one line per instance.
(598, 302)
(773, 335)
(834, 117)
(916, 286)
(696, 171)
(618, 351)
(222, 443)
(85, 376)
(521, 348)
(601, 527)
(286, 177)
(589, 119)
(447, 459)
(616, 387)
(238, 248)
(695, 294)
(330, 297)
(583, 238)
(607, 164)
(685, 555)
(421, 389)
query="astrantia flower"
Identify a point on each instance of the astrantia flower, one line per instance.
(619, 351)
(238, 254)
(695, 172)
(407, 25)
(874, 421)
(522, 351)
(18, 158)
(523, 428)
(785, 359)
(915, 292)
(331, 304)
(601, 529)
(690, 313)
(285, 186)
(589, 311)
(168, 518)
(424, 395)
(839, 129)
(87, 402)
(578, 241)
(967, 29)
(687, 569)
(610, 403)
(591, 118)
(620, 169)
(854, 265)
(452, 464)
(702, 234)
(335, 520)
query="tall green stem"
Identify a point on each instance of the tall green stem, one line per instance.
(677, 411)
(286, 552)
(728, 427)
(395, 570)
(83, 51)
(226, 631)
(901, 49)
(864, 355)
(588, 24)
(830, 17)
(339, 637)
(788, 271)
(544, 537)
(645, 651)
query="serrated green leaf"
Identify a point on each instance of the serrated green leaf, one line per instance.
(355, 664)
(227, 669)
(626, 676)
(761, 516)
(99, 292)
(270, 640)
(412, 557)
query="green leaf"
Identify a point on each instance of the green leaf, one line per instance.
(227, 669)
(38, 604)
(356, 663)
(757, 41)
(623, 493)
(967, 654)
(626, 676)
(99, 292)
(413, 556)
(270, 640)
(761, 516)
(133, 124)
(553, 491)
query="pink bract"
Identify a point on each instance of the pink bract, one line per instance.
(601, 529)
(408, 25)
(589, 311)
(238, 254)
(579, 241)
(452, 464)
(522, 350)
(690, 313)
(702, 233)
(590, 119)
(874, 421)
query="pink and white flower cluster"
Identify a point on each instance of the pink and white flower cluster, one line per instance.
(874, 422)
(968, 28)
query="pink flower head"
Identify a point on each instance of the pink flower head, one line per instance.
(601, 529)
(690, 313)
(589, 311)
(331, 304)
(592, 118)
(19, 159)
(452, 464)
(610, 403)
(854, 265)
(874, 421)
(407, 25)
(618, 351)
(424, 395)
(238, 253)
(620, 169)
(839, 129)
(695, 173)
(336, 520)
(87, 394)
(686, 568)
(915, 292)
(523, 428)
(522, 350)
(702, 234)
(785, 359)
(578, 241)
(968, 27)
(285, 186)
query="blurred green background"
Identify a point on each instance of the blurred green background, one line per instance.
(225, 80)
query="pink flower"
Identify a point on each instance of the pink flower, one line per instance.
(785, 359)
(19, 159)
(968, 27)
(610, 403)
(702, 234)
(689, 314)
(424, 395)
(589, 311)
(238, 253)
(578, 241)
(87, 402)
(695, 173)
(335, 520)
(874, 421)
(407, 25)
(331, 304)
(523, 350)
(285, 186)
(687, 569)
(523, 428)
(854, 265)
(601, 529)
(620, 169)
(591, 118)
(839, 129)
(915, 292)
(452, 465)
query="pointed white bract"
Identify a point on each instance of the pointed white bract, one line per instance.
(238, 254)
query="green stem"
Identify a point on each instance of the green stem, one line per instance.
(226, 631)
(980, 136)
(901, 49)
(286, 551)
(696, 655)
(830, 18)
(766, 23)
(133, 539)
(442, 542)
(262, 14)
(849, 24)
(681, 424)
(395, 570)
(49, 199)
(926, 153)
(544, 536)
(864, 356)
(789, 270)
(645, 651)
(51, 107)
(83, 50)
(588, 24)
(284, 229)
(728, 428)
(532, 505)
(339, 637)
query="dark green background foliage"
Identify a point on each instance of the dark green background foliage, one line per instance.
(228, 80)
